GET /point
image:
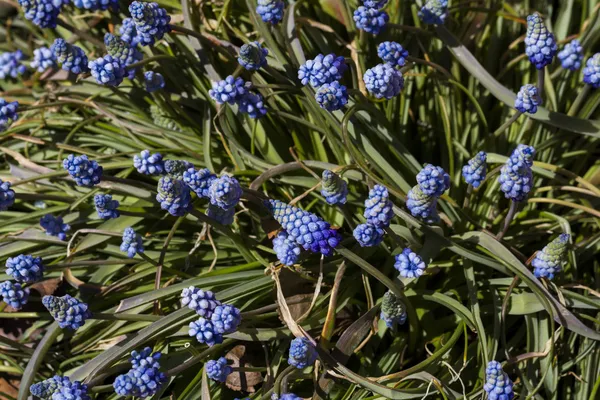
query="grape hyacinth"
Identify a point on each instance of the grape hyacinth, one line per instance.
(128, 32)
(528, 99)
(306, 229)
(433, 181)
(224, 217)
(148, 164)
(47, 387)
(176, 168)
(132, 243)
(144, 379)
(8, 114)
(409, 264)
(107, 70)
(540, 45)
(374, 3)
(434, 12)
(25, 268)
(571, 56)
(552, 258)
(121, 50)
(332, 96)
(475, 170)
(497, 383)
(229, 90)
(378, 207)
(10, 65)
(286, 396)
(43, 13)
(7, 196)
(515, 176)
(253, 56)
(370, 20)
(287, 251)
(204, 332)
(43, 58)
(13, 294)
(106, 207)
(252, 104)
(270, 11)
(71, 391)
(225, 319)
(67, 311)
(151, 21)
(383, 81)
(201, 301)
(93, 5)
(322, 69)
(54, 226)
(153, 81)
(85, 172)
(368, 235)
(392, 53)
(218, 370)
(70, 57)
(225, 192)
(302, 353)
(199, 181)
(174, 196)
(591, 72)
(421, 205)
(393, 311)
(333, 188)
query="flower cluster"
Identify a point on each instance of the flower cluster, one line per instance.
(153, 81)
(224, 319)
(286, 249)
(43, 13)
(14, 294)
(59, 388)
(368, 235)
(106, 207)
(174, 196)
(70, 57)
(10, 65)
(591, 72)
(43, 58)
(253, 56)
(306, 229)
(122, 51)
(107, 70)
(392, 53)
(270, 11)
(225, 192)
(199, 181)
(67, 311)
(302, 353)
(8, 114)
(132, 243)
(151, 21)
(393, 310)
(421, 205)
(409, 264)
(383, 81)
(528, 99)
(571, 56)
(25, 268)
(540, 44)
(7, 196)
(323, 74)
(333, 188)
(235, 91)
(85, 172)
(201, 301)
(54, 226)
(222, 216)
(552, 258)
(370, 17)
(515, 176)
(433, 181)
(475, 170)
(497, 383)
(434, 12)
(46, 388)
(218, 370)
(332, 96)
(128, 32)
(148, 164)
(378, 212)
(144, 379)
(93, 5)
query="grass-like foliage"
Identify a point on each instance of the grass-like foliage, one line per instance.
(334, 199)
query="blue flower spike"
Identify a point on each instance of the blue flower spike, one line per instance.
(218, 370)
(286, 249)
(422, 206)
(199, 181)
(409, 264)
(7, 196)
(106, 207)
(229, 90)
(25, 268)
(571, 56)
(70, 57)
(43, 58)
(321, 70)
(123, 51)
(43, 13)
(374, 3)
(370, 20)
(497, 383)
(11, 66)
(14, 294)
(67, 311)
(433, 180)
(302, 353)
(333, 188)
(47, 387)
(516, 177)
(528, 99)
(225, 192)
(540, 44)
(144, 379)
(332, 96)
(174, 196)
(393, 310)
(392, 53)
(71, 391)
(225, 319)
(151, 21)
(383, 81)
(85, 172)
(378, 207)
(252, 104)
(475, 170)
(368, 235)
(434, 12)
(222, 216)
(253, 56)
(54, 226)
(201, 301)
(270, 11)
(148, 164)
(153, 81)
(204, 332)
(591, 72)
(132, 243)
(552, 258)
(93, 5)
(107, 70)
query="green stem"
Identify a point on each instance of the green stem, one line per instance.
(125, 317)
(149, 60)
(508, 123)
(541, 77)
(467, 197)
(509, 217)
(583, 94)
